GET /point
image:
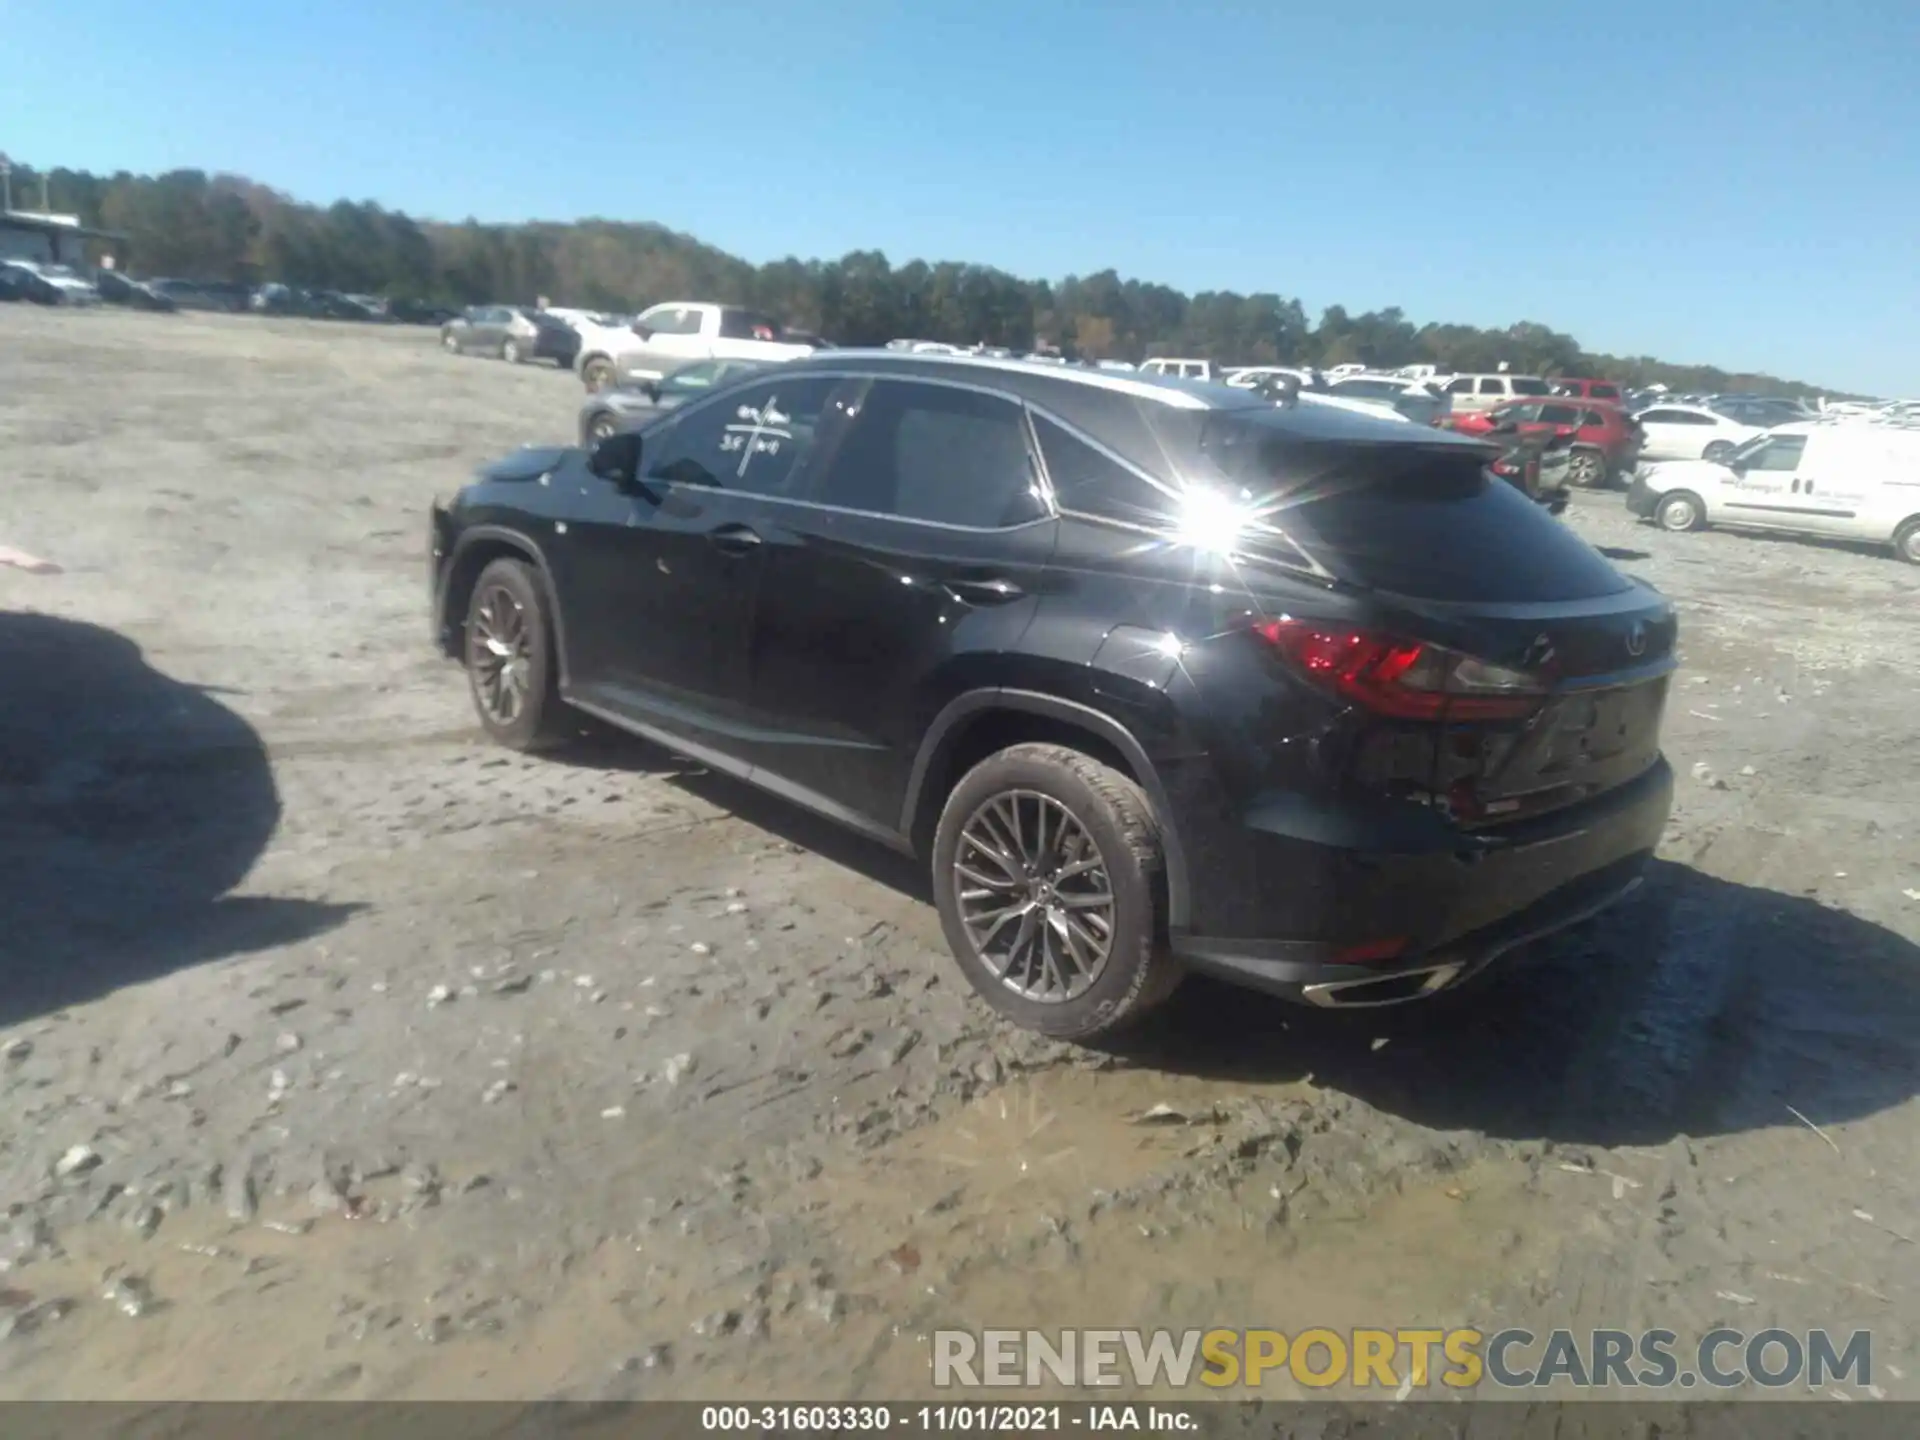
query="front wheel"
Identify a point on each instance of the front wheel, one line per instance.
(597, 373)
(1681, 511)
(512, 670)
(1047, 871)
(599, 428)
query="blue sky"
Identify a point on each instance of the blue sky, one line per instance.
(1737, 183)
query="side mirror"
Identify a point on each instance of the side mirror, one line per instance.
(1504, 427)
(616, 459)
(641, 330)
(651, 389)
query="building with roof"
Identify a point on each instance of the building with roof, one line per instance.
(51, 239)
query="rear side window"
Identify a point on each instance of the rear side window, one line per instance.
(935, 453)
(747, 325)
(1561, 414)
(1090, 481)
(1604, 392)
(1531, 387)
(1413, 519)
(1493, 386)
(1594, 417)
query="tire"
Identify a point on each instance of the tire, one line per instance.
(1680, 510)
(597, 373)
(1906, 541)
(511, 352)
(509, 591)
(1717, 451)
(1587, 469)
(599, 426)
(451, 341)
(1108, 812)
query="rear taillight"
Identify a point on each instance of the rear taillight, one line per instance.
(1402, 679)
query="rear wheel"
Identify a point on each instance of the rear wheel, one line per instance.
(1717, 451)
(512, 671)
(451, 341)
(597, 372)
(1906, 541)
(1681, 510)
(1047, 871)
(600, 427)
(1587, 468)
(511, 352)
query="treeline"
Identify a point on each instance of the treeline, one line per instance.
(222, 227)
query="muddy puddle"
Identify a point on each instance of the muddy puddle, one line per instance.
(1068, 1198)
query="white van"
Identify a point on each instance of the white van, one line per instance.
(1849, 480)
(1179, 369)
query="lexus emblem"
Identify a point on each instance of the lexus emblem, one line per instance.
(1637, 638)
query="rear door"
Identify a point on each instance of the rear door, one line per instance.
(921, 541)
(1674, 434)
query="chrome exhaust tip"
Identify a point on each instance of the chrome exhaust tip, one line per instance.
(1376, 990)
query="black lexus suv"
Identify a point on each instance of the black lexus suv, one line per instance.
(1154, 676)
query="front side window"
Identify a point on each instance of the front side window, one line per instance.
(1777, 452)
(671, 320)
(1493, 385)
(754, 441)
(936, 453)
(1460, 387)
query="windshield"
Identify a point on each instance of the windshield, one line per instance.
(690, 378)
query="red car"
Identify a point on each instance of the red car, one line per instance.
(1578, 389)
(1606, 440)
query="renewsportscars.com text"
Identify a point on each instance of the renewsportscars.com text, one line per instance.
(1401, 1359)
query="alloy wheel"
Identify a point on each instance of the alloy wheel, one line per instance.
(500, 655)
(1586, 469)
(602, 427)
(1678, 514)
(1034, 896)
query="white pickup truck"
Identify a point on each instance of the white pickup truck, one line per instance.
(665, 337)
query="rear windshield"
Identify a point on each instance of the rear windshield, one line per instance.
(1414, 519)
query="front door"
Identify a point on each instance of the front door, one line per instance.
(663, 590)
(923, 543)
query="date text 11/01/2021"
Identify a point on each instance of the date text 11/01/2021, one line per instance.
(947, 1419)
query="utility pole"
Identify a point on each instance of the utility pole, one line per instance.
(6, 183)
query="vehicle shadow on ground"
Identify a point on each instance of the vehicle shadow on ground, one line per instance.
(1696, 1007)
(131, 805)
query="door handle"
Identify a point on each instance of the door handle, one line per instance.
(985, 592)
(733, 539)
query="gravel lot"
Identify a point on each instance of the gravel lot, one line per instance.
(346, 1056)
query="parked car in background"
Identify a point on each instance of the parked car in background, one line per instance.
(1092, 743)
(625, 407)
(187, 294)
(1759, 410)
(406, 311)
(1581, 389)
(1415, 400)
(1248, 377)
(1603, 440)
(1539, 466)
(117, 288)
(666, 337)
(1690, 432)
(1180, 369)
(1464, 394)
(45, 284)
(1845, 481)
(513, 333)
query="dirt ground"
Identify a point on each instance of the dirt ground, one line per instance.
(342, 1055)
